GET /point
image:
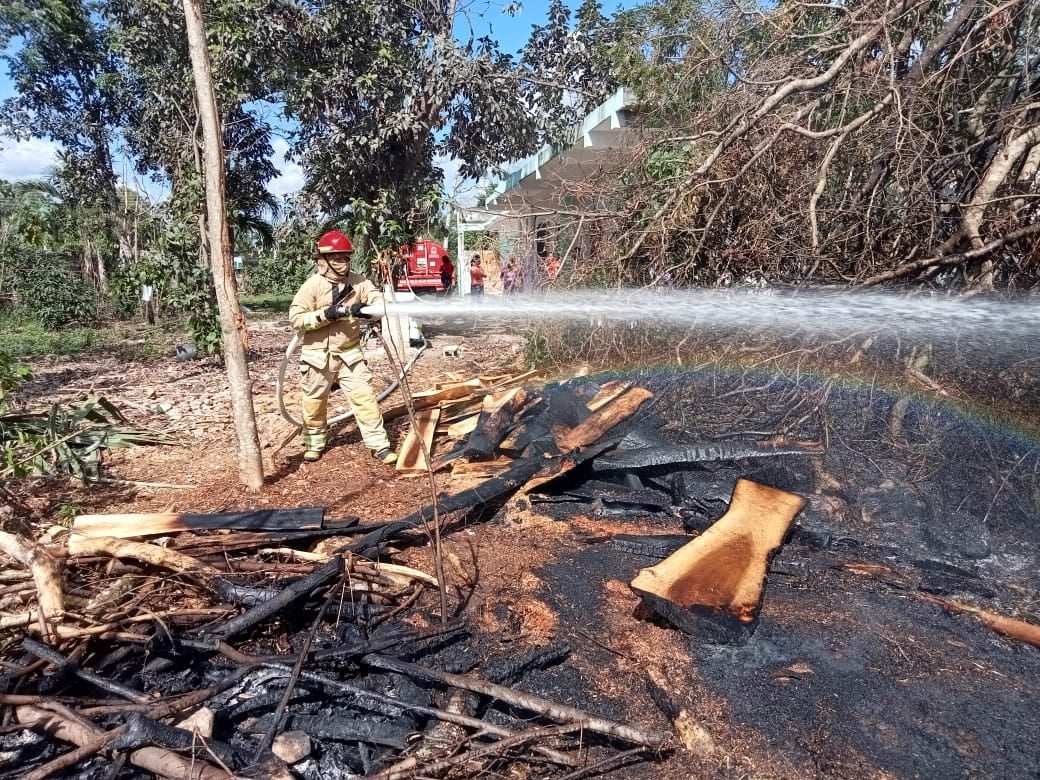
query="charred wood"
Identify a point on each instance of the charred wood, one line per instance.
(142, 731)
(616, 494)
(341, 728)
(474, 498)
(657, 546)
(620, 460)
(492, 427)
(242, 595)
(527, 701)
(380, 702)
(715, 581)
(507, 671)
(320, 576)
(65, 666)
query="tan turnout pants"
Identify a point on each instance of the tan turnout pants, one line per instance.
(355, 380)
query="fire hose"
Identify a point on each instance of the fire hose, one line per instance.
(291, 348)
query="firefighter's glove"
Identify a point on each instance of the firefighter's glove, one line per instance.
(333, 313)
(357, 310)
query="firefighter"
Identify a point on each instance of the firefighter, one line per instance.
(326, 309)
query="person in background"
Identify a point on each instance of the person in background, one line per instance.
(510, 278)
(476, 277)
(552, 267)
(447, 274)
(325, 311)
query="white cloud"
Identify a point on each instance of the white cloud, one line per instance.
(290, 176)
(29, 159)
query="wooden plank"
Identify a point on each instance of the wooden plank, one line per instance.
(487, 468)
(431, 398)
(463, 427)
(458, 410)
(601, 420)
(607, 393)
(126, 526)
(510, 382)
(410, 458)
(722, 572)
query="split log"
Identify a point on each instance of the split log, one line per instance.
(45, 570)
(716, 581)
(602, 420)
(140, 551)
(608, 392)
(482, 468)
(411, 458)
(496, 418)
(704, 452)
(129, 525)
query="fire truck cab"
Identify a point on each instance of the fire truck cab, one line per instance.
(419, 267)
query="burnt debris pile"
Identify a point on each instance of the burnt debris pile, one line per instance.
(204, 659)
(281, 643)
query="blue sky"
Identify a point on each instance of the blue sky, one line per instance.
(31, 158)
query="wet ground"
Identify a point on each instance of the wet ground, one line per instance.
(846, 674)
(850, 672)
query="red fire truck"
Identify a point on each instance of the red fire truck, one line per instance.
(419, 267)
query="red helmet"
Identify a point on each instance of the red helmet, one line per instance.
(334, 241)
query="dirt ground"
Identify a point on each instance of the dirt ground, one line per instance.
(850, 673)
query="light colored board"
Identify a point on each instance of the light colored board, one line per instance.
(601, 420)
(411, 457)
(723, 569)
(487, 468)
(127, 526)
(607, 393)
(463, 427)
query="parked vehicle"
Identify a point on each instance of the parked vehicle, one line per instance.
(419, 267)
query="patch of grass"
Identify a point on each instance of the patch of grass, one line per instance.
(267, 303)
(23, 338)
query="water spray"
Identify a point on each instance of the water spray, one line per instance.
(818, 312)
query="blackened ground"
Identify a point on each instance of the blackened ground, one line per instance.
(846, 674)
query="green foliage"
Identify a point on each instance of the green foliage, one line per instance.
(272, 303)
(24, 336)
(49, 291)
(270, 275)
(12, 375)
(66, 441)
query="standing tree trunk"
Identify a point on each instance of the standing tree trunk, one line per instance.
(232, 325)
